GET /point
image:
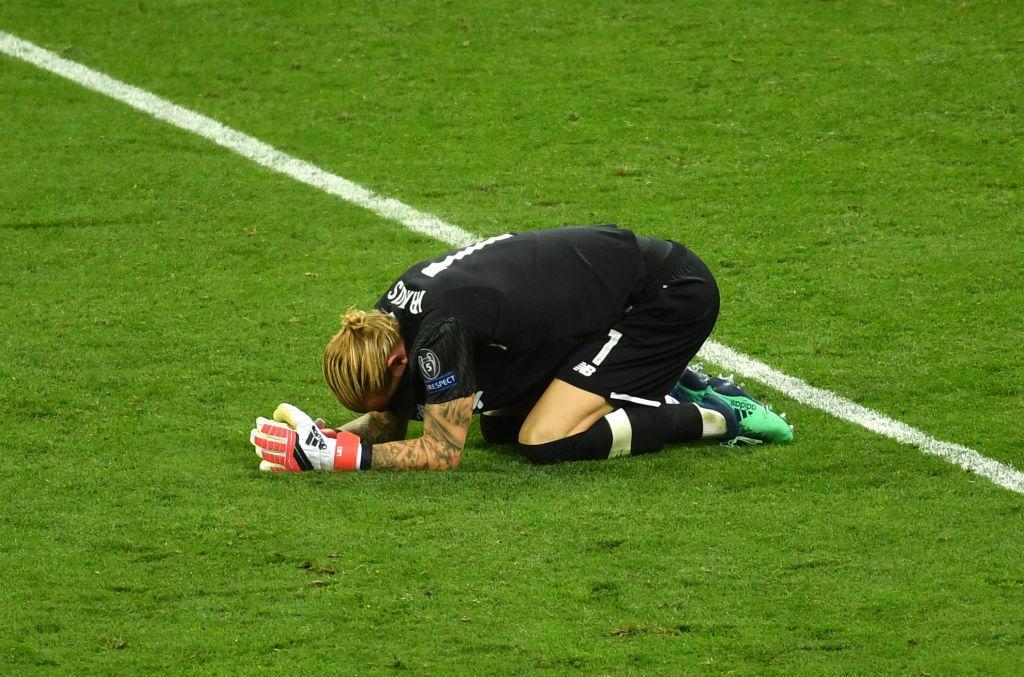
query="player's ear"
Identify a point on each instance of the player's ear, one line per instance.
(398, 357)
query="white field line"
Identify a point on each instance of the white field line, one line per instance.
(840, 407)
(432, 226)
(243, 144)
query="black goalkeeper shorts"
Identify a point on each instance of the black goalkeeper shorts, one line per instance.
(643, 355)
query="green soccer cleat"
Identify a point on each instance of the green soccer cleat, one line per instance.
(755, 422)
(692, 385)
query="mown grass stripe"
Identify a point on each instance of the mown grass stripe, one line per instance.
(243, 144)
(848, 410)
(432, 226)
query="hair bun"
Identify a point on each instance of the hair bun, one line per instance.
(353, 319)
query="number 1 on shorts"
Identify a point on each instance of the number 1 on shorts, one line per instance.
(613, 338)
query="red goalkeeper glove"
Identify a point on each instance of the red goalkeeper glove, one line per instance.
(293, 442)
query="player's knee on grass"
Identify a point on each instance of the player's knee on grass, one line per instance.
(591, 444)
(608, 436)
(500, 429)
(623, 432)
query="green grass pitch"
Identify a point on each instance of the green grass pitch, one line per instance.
(850, 170)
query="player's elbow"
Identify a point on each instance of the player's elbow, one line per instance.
(445, 457)
(448, 460)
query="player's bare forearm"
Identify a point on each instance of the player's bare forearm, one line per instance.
(444, 435)
(378, 426)
(421, 453)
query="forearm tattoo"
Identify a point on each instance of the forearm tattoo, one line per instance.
(444, 435)
(377, 427)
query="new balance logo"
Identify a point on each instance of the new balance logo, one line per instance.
(585, 369)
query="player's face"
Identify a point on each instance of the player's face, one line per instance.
(377, 401)
(396, 365)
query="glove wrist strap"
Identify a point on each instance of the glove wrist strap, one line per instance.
(366, 458)
(349, 452)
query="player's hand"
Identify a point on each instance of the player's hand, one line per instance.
(329, 432)
(293, 442)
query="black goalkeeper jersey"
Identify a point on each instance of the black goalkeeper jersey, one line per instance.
(497, 319)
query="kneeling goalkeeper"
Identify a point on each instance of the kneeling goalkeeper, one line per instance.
(572, 343)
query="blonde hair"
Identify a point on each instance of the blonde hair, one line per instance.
(356, 358)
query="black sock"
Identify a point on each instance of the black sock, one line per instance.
(500, 429)
(636, 430)
(654, 427)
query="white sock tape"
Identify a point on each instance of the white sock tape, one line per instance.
(622, 433)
